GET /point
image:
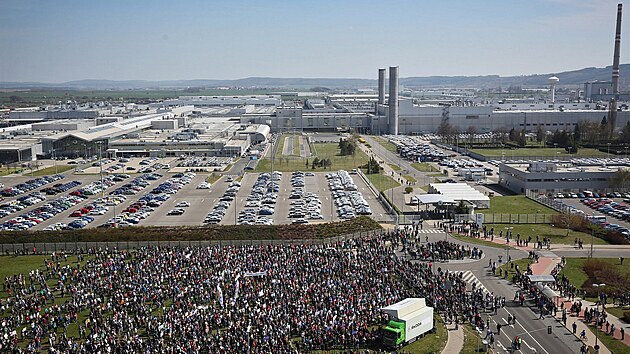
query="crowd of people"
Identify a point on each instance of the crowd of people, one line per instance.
(257, 299)
(443, 251)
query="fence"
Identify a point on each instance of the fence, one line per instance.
(507, 218)
(46, 248)
(552, 203)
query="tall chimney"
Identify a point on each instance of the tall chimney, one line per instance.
(615, 73)
(393, 100)
(381, 86)
(612, 119)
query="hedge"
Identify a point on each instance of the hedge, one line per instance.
(579, 223)
(195, 233)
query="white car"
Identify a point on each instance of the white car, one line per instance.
(183, 204)
(204, 185)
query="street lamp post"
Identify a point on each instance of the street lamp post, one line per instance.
(592, 233)
(100, 163)
(608, 151)
(597, 320)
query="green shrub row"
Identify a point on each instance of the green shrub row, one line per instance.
(578, 223)
(195, 233)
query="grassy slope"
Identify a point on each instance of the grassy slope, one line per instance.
(576, 275)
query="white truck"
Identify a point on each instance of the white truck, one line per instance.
(409, 319)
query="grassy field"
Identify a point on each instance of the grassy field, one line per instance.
(394, 167)
(382, 182)
(424, 167)
(614, 345)
(386, 144)
(322, 151)
(517, 204)
(51, 170)
(617, 311)
(296, 145)
(410, 178)
(575, 273)
(537, 152)
(558, 235)
(212, 178)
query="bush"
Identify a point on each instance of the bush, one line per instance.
(578, 223)
(626, 317)
(598, 272)
(195, 233)
(408, 190)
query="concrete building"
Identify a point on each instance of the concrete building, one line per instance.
(552, 177)
(224, 101)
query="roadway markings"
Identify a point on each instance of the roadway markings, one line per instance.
(431, 231)
(470, 278)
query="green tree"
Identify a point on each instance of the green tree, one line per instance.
(522, 139)
(620, 179)
(315, 163)
(577, 133)
(306, 163)
(540, 134)
(461, 208)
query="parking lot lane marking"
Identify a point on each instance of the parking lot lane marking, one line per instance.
(528, 346)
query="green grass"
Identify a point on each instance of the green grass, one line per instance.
(213, 178)
(386, 144)
(516, 204)
(382, 182)
(322, 151)
(296, 145)
(537, 152)
(410, 178)
(614, 345)
(618, 311)
(479, 241)
(52, 170)
(575, 273)
(558, 235)
(472, 341)
(393, 167)
(424, 167)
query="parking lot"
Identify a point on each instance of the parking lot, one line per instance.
(122, 200)
(614, 213)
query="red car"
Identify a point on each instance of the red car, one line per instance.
(76, 213)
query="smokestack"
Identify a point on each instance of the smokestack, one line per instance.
(612, 119)
(615, 73)
(381, 86)
(393, 100)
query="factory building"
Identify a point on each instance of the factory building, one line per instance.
(545, 177)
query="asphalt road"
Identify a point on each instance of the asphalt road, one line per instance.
(528, 326)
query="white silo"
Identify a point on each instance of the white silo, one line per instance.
(553, 81)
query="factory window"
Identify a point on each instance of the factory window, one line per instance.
(309, 122)
(472, 117)
(554, 124)
(342, 122)
(326, 121)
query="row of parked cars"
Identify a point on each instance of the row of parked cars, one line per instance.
(61, 187)
(29, 185)
(347, 198)
(218, 211)
(588, 194)
(147, 203)
(260, 204)
(609, 207)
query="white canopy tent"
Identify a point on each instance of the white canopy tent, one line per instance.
(461, 191)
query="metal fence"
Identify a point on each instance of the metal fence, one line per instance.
(507, 218)
(49, 247)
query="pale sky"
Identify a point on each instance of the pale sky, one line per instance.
(63, 40)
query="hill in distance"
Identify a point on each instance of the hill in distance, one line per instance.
(567, 78)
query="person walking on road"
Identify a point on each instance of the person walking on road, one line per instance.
(498, 329)
(574, 325)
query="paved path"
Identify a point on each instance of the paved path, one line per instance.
(455, 341)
